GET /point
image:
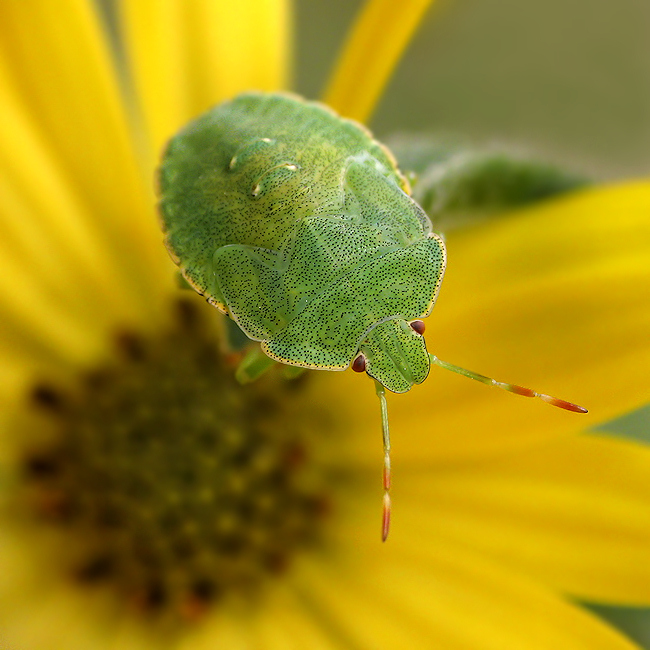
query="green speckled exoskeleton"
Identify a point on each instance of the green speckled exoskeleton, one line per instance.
(299, 226)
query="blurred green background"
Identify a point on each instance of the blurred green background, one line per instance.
(568, 79)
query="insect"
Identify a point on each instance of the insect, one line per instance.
(299, 226)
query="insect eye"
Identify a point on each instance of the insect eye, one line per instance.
(359, 364)
(418, 326)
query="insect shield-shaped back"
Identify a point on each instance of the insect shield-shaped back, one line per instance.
(298, 225)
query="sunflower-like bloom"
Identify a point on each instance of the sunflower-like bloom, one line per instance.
(149, 501)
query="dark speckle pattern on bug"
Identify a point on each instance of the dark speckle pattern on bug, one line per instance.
(297, 224)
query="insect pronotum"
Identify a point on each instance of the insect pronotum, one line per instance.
(298, 225)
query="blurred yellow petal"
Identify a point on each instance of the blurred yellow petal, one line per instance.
(360, 610)
(289, 623)
(16, 370)
(572, 514)
(44, 227)
(29, 311)
(50, 603)
(185, 57)
(128, 635)
(58, 64)
(224, 627)
(374, 47)
(451, 599)
(556, 298)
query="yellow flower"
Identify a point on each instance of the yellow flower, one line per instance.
(110, 406)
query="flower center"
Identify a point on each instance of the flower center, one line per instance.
(179, 485)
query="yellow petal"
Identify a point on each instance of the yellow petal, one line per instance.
(422, 596)
(127, 634)
(13, 375)
(287, 622)
(380, 35)
(37, 609)
(557, 298)
(224, 628)
(26, 353)
(186, 57)
(59, 68)
(44, 230)
(572, 514)
(30, 315)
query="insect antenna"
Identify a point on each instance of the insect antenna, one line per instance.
(385, 519)
(511, 388)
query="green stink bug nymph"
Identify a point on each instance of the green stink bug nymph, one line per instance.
(298, 225)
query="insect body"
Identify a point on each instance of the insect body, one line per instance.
(297, 224)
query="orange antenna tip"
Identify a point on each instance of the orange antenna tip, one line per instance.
(562, 404)
(385, 519)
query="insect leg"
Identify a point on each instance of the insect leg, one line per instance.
(385, 522)
(511, 388)
(292, 372)
(253, 365)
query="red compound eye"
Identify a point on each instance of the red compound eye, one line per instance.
(359, 364)
(418, 326)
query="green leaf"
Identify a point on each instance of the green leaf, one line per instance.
(458, 184)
